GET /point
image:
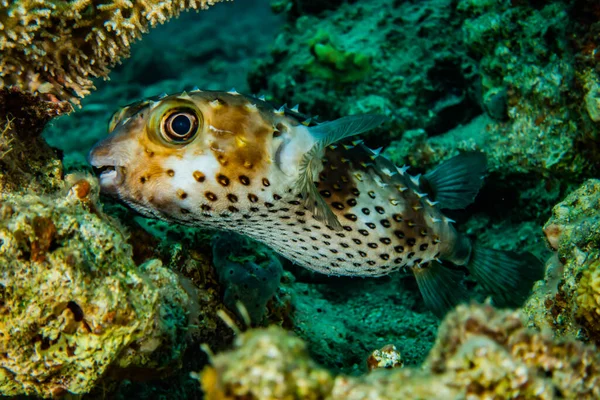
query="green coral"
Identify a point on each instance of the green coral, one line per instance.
(331, 63)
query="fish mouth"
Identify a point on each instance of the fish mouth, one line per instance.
(110, 174)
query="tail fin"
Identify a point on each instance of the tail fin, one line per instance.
(441, 288)
(506, 275)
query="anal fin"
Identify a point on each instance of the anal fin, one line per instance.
(442, 288)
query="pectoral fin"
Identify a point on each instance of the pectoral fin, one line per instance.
(326, 134)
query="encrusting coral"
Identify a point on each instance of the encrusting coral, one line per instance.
(481, 353)
(73, 302)
(569, 303)
(55, 47)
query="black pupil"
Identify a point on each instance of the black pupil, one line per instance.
(181, 125)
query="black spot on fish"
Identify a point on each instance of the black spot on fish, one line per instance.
(399, 234)
(372, 245)
(351, 202)
(380, 210)
(232, 198)
(423, 247)
(385, 240)
(171, 173)
(371, 262)
(371, 194)
(385, 256)
(211, 196)
(340, 235)
(252, 197)
(371, 225)
(266, 182)
(205, 207)
(357, 241)
(276, 197)
(269, 205)
(385, 223)
(399, 249)
(244, 180)
(351, 217)
(398, 261)
(355, 192)
(223, 180)
(344, 245)
(142, 180)
(397, 217)
(300, 213)
(182, 195)
(325, 193)
(199, 176)
(366, 211)
(326, 236)
(410, 255)
(294, 203)
(362, 253)
(347, 228)
(363, 232)
(411, 241)
(337, 205)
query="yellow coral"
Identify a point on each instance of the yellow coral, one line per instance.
(55, 47)
(480, 353)
(588, 297)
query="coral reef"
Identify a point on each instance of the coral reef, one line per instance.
(74, 304)
(55, 47)
(481, 353)
(568, 303)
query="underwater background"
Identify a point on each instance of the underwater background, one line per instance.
(97, 301)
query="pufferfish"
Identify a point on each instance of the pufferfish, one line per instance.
(328, 203)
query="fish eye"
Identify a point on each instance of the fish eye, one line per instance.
(180, 126)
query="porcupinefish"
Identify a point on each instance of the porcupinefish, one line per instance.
(328, 203)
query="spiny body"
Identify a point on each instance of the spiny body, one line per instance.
(232, 162)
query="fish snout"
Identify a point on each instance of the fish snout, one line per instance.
(110, 171)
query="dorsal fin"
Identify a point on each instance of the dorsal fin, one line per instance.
(455, 183)
(326, 134)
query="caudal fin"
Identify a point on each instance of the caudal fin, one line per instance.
(441, 288)
(507, 276)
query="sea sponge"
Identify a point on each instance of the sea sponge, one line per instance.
(481, 353)
(55, 47)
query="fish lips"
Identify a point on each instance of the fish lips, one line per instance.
(110, 173)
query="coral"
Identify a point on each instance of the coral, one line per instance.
(569, 301)
(27, 163)
(74, 305)
(266, 364)
(55, 47)
(481, 353)
(334, 64)
(248, 272)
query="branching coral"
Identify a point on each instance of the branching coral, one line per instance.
(55, 47)
(481, 353)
